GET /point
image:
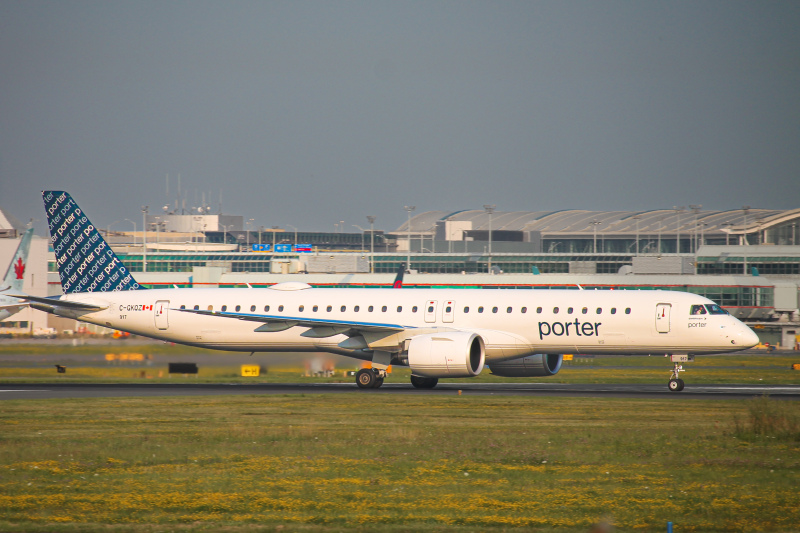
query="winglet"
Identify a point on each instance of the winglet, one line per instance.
(85, 261)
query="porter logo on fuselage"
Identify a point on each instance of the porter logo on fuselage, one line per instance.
(576, 327)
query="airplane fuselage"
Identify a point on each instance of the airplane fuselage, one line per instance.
(512, 323)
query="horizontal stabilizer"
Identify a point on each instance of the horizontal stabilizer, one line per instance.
(57, 302)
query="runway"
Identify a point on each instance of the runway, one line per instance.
(26, 391)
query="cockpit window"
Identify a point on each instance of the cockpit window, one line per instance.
(714, 309)
(698, 310)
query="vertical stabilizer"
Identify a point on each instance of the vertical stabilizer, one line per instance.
(16, 270)
(398, 280)
(85, 261)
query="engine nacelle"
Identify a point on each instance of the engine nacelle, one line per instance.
(537, 365)
(455, 354)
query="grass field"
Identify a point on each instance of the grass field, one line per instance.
(425, 463)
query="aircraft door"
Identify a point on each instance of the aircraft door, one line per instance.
(448, 311)
(662, 317)
(162, 320)
(430, 311)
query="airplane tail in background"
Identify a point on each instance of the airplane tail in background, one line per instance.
(16, 269)
(398, 280)
(85, 261)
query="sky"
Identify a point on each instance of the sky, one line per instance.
(315, 112)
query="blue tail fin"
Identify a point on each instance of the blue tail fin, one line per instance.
(16, 270)
(85, 261)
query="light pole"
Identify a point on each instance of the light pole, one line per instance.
(225, 233)
(363, 231)
(409, 209)
(678, 211)
(490, 209)
(134, 229)
(144, 238)
(108, 229)
(595, 223)
(371, 220)
(695, 209)
(295, 235)
(745, 210)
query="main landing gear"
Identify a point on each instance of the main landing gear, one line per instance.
(370, 378)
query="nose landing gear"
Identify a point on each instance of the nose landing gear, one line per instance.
(675, 382)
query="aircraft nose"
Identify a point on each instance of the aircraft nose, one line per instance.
(746, 338)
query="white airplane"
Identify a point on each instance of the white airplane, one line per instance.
(15, 276)
(437, 333)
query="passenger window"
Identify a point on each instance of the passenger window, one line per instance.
(480, 309)
(252, 308)
(196, 307)
(224, 308)
(494, 309)
(414, 309)
(280, 309)
(238, 308)
(569, 310)
(698, 310)
(266, 309)
(524, 310)
(315, 308)
(399, 308)
(210, 307)
(613, 310)
(344, 308)
(356, 308)
(430, 309)
(183, 307)
(329, 309)
(555, 310)
(627, 310)
(539, 310)
(301, 308)
(585, 310)
(508, 310)
(370, 308)
(383, 309)
(466, 310)
(599, 310)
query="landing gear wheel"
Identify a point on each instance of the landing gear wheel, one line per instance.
(378, 383)
(366, 378)
(676, 385)
(423, 383)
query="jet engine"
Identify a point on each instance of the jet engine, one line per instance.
(537, 365)
(455, 354)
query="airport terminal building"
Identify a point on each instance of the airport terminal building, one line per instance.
(748, 260)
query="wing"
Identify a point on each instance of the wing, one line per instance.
(318, 328)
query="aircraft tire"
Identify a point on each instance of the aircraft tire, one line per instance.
(423, 383)
(676, 385)
(366, 378)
